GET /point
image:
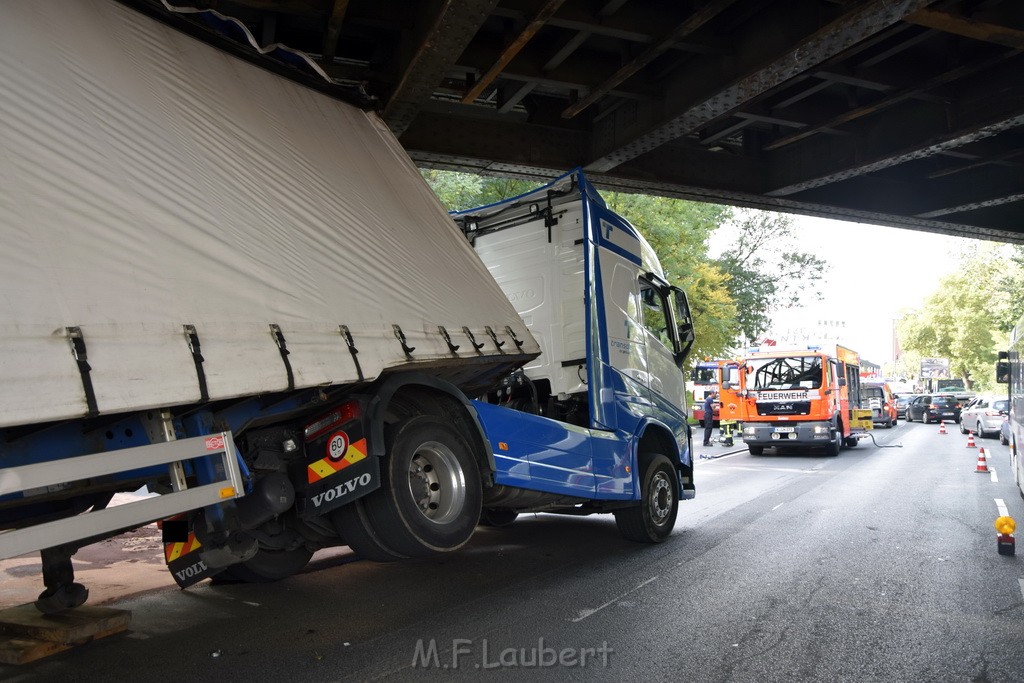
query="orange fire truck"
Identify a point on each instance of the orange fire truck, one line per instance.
(806, 398)
(723, 376)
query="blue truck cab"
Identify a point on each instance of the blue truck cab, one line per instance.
(596, 423)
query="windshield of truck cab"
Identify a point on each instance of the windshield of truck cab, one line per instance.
(794, 372)
(705, 375)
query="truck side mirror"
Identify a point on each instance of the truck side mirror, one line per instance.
(684, 326)
(842, 381)
(1003, 371)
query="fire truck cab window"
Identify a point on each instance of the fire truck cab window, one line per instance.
(799, 372)
(704, 375)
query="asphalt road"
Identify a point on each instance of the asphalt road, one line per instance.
(877, 565)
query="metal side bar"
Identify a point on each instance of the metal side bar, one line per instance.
(129, 515)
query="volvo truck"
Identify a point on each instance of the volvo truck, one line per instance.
(238, 293)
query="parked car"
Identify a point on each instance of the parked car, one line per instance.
(901, 404)
(984, 416)
(934, 407)
(1004, 431)
(876, 397)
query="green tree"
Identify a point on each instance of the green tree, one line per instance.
(969, 315)
(765, 272)
(455, 190)
(458, 191)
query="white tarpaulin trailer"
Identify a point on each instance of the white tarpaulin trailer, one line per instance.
(149, 182)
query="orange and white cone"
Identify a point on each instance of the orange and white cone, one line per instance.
(942, 426)
(982, 462)
(970, 440)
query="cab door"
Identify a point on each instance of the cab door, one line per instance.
(667, 384)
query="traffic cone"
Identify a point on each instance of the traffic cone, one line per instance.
(970, 440)
(942, 426)
(982, 462)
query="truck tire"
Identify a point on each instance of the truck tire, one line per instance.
(833, 448)
(496, 517)
(267, 566)
(353, 524)
(431, 495)
(756, 450)
(652, 521)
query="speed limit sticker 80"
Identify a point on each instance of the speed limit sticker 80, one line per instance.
(337, 446)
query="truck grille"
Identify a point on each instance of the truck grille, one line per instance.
(784, 408)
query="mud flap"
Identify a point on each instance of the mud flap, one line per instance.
(185, 563)
(339, 471)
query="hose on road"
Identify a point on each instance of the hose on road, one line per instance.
(878, 445)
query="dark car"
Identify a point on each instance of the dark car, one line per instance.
(934, 407)
(902, 401)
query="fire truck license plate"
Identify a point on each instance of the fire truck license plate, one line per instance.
(784, 430)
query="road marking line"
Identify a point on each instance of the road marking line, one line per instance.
(1003, 512)
(777, 507)
(1021, 582)
(773, 469)
(994, 477)
(589, 612)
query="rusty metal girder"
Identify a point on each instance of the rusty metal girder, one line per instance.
(824, 163)
(455, 25)
(829, 41)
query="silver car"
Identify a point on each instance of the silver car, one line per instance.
(984, 416)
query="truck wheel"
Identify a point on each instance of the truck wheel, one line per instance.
(353, 524)
(836, 445)
(497, 518)
(431, 494)
(851, 442)
(267, 566)
(652, 521)
(756, 450)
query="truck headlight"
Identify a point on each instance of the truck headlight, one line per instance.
(821, 429)
(749, 430)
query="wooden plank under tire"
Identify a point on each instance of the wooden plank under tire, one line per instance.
(27, 635)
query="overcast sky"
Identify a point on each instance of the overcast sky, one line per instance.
(875, 273)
